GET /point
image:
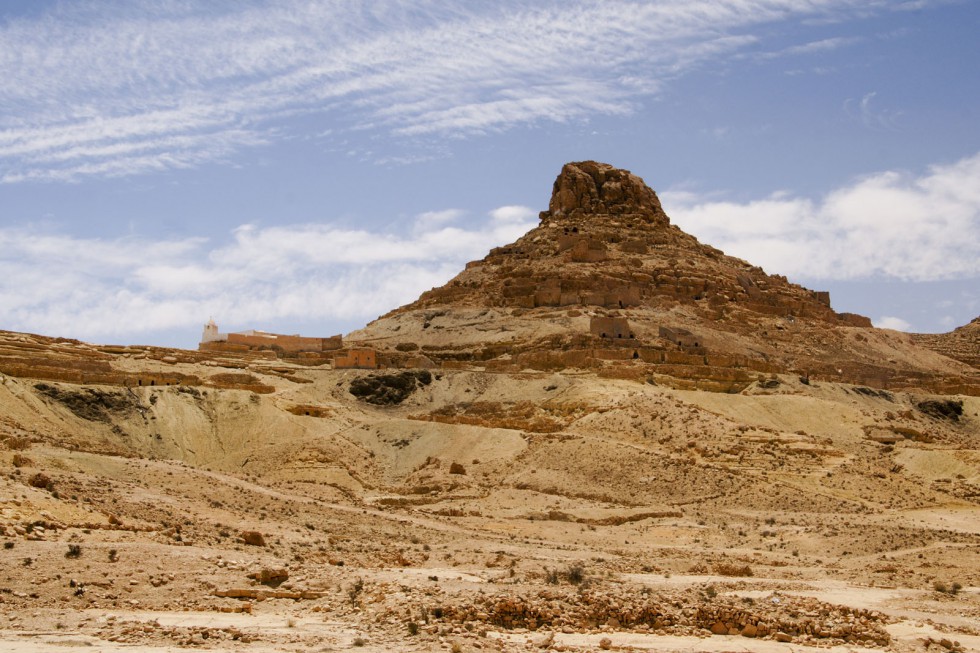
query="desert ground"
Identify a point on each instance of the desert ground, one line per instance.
(486, 511)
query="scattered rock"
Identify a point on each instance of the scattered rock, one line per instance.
(270, 576)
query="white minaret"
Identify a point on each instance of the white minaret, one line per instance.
(211, 332)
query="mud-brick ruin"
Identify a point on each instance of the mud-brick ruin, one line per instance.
(276, 345)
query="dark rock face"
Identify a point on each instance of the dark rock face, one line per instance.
(389, 389)
(90, 403)
(947, 409)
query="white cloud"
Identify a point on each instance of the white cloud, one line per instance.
(425, 221)
(890, 224)
(101, 289)
(129, 88)
(514, 213)
(891, 322)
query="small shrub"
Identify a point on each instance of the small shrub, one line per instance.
(20, 461)
(17, 444)
(729, 569)
(413, 628)
(710, 591)
(575, 574)
(41, 480)
(551, 576)
(355, 591)
(113, 555)
(8, 545)
(359, 641)
(74, 551)
(456, 648)
(943, 588)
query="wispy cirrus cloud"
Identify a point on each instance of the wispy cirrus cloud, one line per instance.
(121, 288)
(887, 225)
(112, 89)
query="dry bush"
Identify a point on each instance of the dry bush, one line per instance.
(41, 480)
(21, 461)
(731, 569)
(522, 416)
(17, 444)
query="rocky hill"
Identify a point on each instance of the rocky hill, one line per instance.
(962, 344)
(605, 282)
(543, 472)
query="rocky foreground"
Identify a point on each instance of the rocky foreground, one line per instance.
(485, 511)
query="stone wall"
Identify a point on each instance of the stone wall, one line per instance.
(610, 327)
(285, 343)
(356, 358)
(679, 336)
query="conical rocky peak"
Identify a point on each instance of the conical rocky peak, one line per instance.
(599, 188)
(606, 281)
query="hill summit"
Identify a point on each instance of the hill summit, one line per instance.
(605, 278)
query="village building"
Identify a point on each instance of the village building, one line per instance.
(360, 358)
(678, 336)
(613, 328)
(253, 340)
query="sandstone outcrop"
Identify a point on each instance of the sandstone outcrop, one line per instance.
(605, 282)
(962, 343)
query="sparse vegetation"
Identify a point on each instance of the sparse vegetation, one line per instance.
(74, 551)
(575, 574)
(730, 569)
(41, 481)
(354, 591)
(951, 589)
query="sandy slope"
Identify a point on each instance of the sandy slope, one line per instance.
(654, 494)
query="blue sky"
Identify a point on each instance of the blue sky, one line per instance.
(307, 166)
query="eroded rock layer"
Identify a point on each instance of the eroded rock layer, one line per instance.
(606, 281)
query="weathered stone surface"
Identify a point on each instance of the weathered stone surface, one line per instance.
(270, 575)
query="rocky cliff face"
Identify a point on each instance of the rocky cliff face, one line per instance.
(598, 188)
(605, 248)
(962, 344)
